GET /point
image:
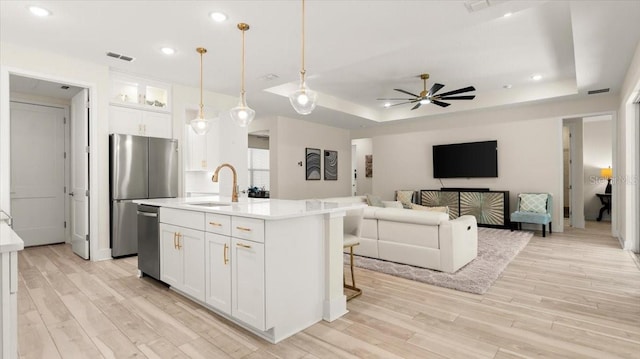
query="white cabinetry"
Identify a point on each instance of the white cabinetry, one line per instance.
(131, 121)
(235, 282)
(182, 248)
(10, 244)
(132, 91)
(203, 151)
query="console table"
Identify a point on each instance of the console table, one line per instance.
(491, 208)
(605, 199)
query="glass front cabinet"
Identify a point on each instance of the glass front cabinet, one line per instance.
(132, 91)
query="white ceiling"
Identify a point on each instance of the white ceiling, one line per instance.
(356, 51)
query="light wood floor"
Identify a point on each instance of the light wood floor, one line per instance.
(572, 294)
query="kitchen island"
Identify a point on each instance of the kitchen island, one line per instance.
(10, 244)
(275, 267)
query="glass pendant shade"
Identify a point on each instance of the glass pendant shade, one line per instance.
(303, 100)
(200, 125)
(242, 114)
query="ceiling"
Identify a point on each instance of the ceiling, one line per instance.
(356, 51)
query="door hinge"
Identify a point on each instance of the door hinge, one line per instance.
(65, 224)
(570, 161)
(86, 193)
(87, 149)
(64, 155)
(65, 189)
(64, 121)
(570, 187)
(87, 104)
(87, 237)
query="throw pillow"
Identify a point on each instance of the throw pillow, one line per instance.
(392, 204)
(533, 202)
(444, 209)
(405, 197)
(374, 201)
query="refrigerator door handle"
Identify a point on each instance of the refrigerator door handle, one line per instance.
(146, 214)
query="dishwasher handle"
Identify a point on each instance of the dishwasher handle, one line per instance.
(147, 214)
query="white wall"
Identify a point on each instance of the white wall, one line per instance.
(597, 152)
(529, 160)
(364, 146)
(288, 139)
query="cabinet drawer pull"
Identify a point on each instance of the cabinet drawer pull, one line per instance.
(179, 245)
(243, 229)
(243, 245)
(215, 224)
(175, 245)
(226, 259)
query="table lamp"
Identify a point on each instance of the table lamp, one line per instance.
(607, 173)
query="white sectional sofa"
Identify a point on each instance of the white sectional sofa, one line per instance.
(419, 238)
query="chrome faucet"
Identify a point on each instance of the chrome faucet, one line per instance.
(234, 193)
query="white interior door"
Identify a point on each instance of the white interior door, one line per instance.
(37, 173)
(80, 174)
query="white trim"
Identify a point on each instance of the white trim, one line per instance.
(5, 71)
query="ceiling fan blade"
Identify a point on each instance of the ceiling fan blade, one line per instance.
(441, 104)
(454, 92)
(407, 92)
(466, 97)
(395, 99)
(435, 88)
(416, 106)
(403, 103)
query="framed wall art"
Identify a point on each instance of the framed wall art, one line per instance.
(312, 161)
(330, 165)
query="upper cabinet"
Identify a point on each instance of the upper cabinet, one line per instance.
(140, 93)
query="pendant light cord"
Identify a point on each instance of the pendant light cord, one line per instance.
(303, 71)
(242, 87)
(201, 105)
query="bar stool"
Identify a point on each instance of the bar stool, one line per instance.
(352, 229)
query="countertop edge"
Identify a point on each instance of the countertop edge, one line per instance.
(10, 241)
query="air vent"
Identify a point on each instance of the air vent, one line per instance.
(593, 92)
(64, 87)
(120, 57)
(477, 5)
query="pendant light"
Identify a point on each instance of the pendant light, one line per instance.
(242, 114)
(304, 99)
(200, 125)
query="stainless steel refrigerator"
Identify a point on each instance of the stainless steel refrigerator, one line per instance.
(139, 167)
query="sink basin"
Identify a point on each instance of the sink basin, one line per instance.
(210, 204)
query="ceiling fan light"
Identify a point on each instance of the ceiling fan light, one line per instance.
(303, 100)
(425, 101)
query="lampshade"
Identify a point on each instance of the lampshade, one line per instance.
(303, 99)
(606, 173)
(200, 125)
(242, 114)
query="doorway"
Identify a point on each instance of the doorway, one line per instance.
(49, 162)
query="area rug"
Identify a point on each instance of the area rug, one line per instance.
(496, 248)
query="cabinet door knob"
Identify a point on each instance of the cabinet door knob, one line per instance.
(243, 245)
(243, 229)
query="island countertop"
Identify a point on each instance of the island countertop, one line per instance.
(9, 240)
(270, 209)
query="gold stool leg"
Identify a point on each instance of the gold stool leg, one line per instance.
(357, 291)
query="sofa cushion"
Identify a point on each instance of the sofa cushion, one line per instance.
(443, 209)
(405, 197)
(408, 234)
(374, 201)
(392, 204)
(411, 216)
(533, 202)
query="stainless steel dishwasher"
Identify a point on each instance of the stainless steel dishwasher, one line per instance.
(148, 241)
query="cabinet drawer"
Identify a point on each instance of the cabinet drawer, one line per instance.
(218, 223)
(248, 228)
(182, 218)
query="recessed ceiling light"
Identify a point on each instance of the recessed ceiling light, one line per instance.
(536, 77)
(508, 86)
(507, 14)
(39, 11)
(218, 16)
(168, 51)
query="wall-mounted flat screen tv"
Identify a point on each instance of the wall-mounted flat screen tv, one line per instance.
(466, 160)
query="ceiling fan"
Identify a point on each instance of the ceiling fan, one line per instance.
(430, 96)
